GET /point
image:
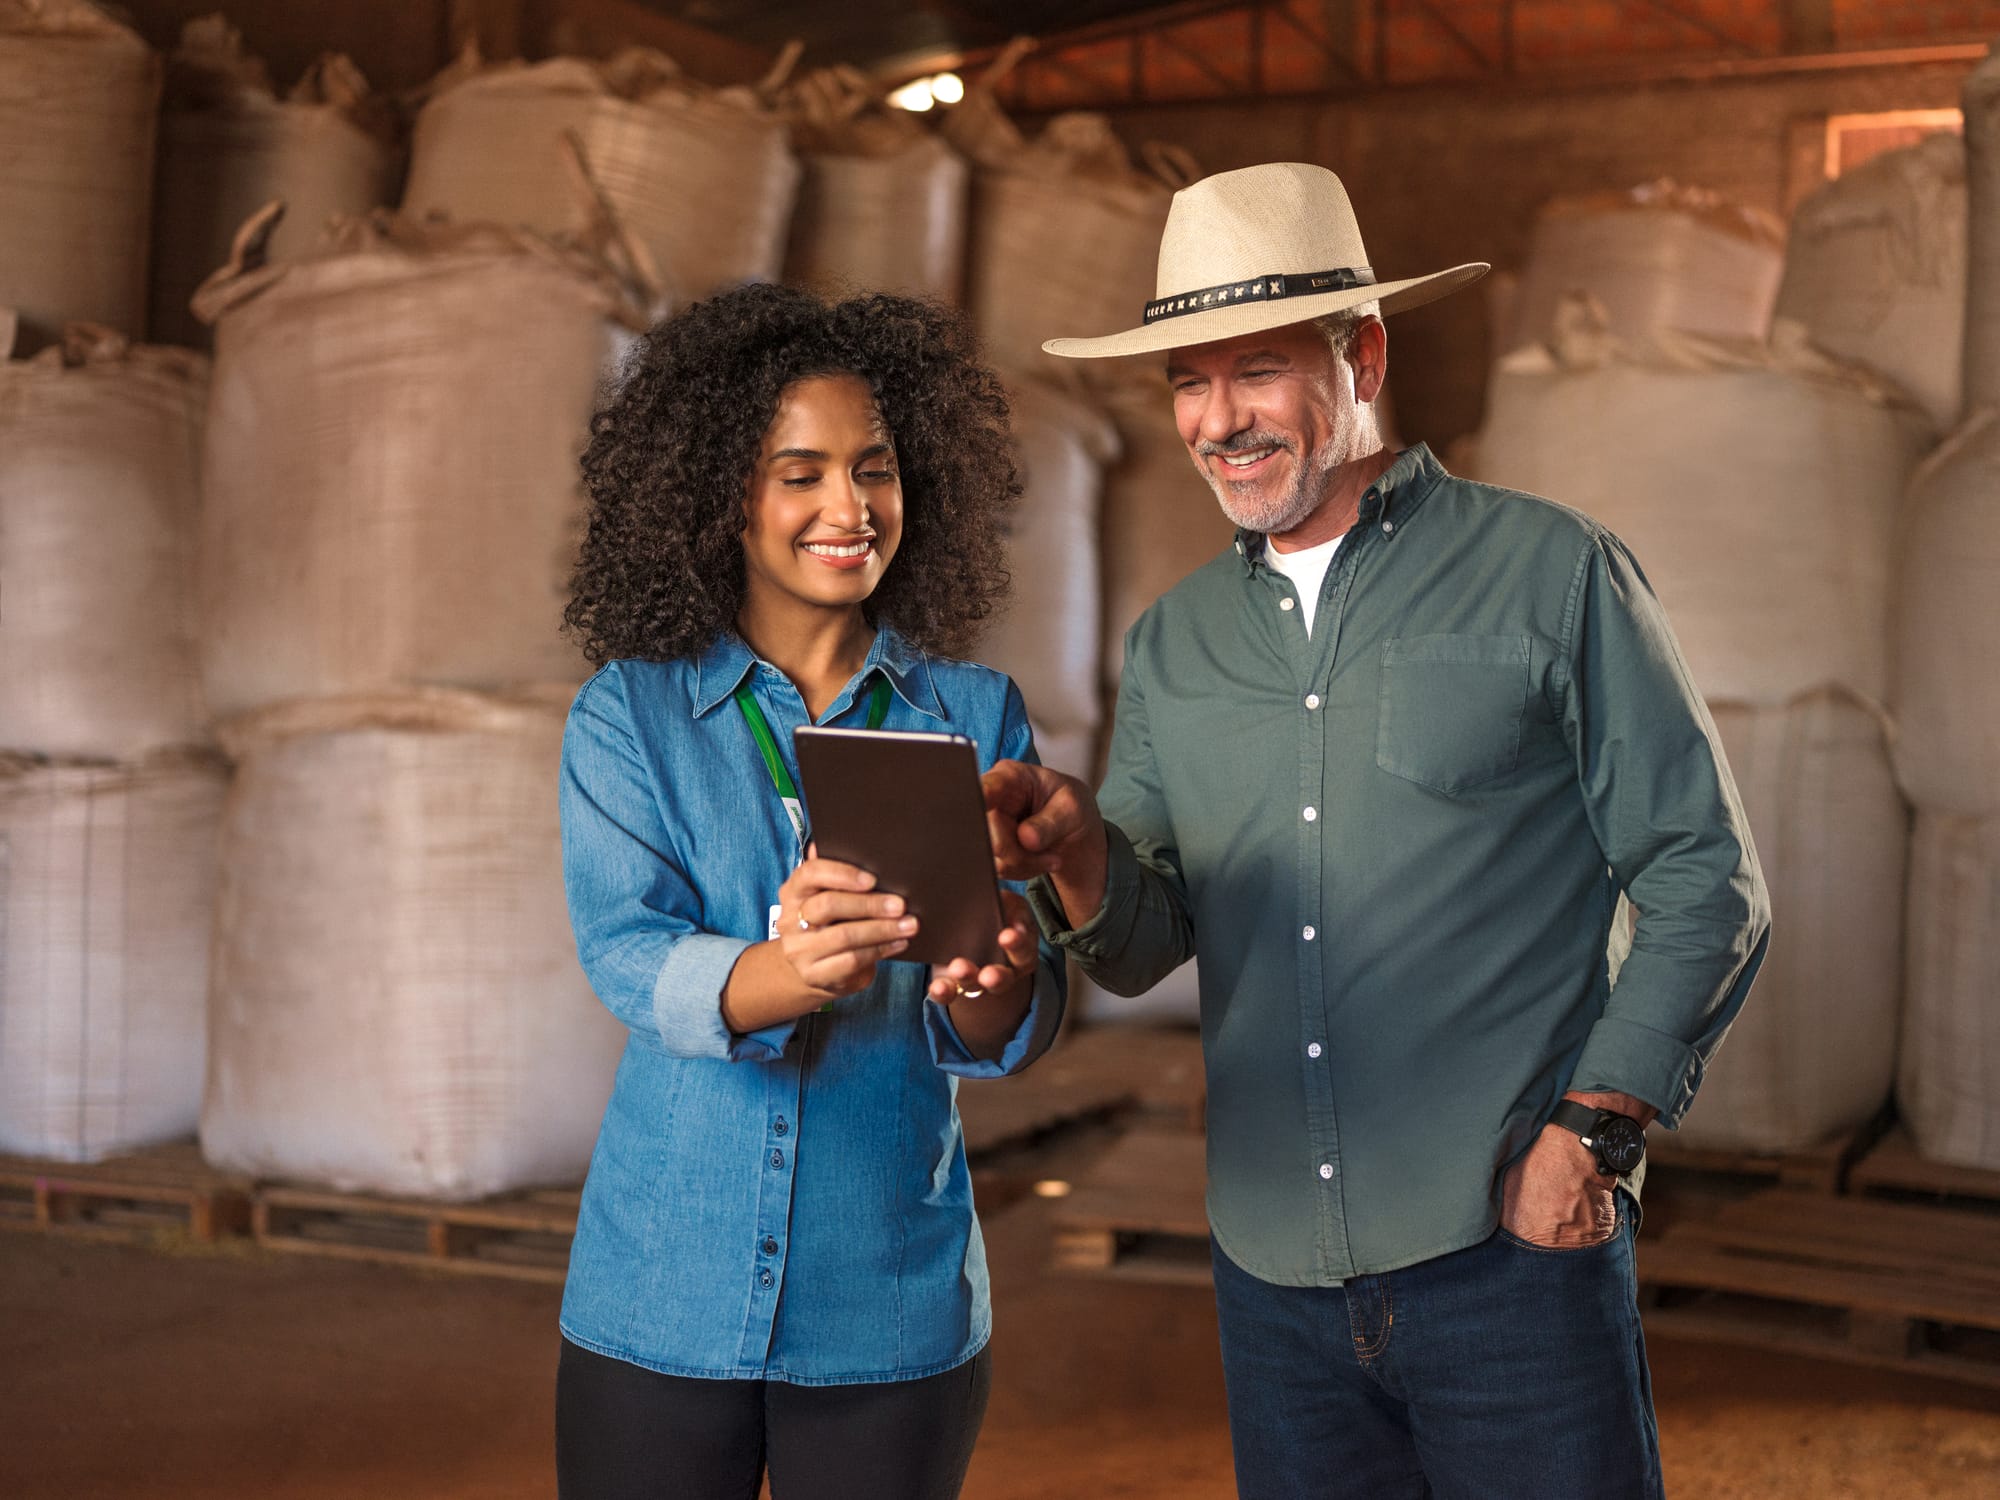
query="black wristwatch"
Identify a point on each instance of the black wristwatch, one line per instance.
(1617, 1141)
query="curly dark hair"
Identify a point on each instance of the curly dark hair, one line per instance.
(661, 573)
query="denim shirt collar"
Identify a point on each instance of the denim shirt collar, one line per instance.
(1393, 498)
(720, 670)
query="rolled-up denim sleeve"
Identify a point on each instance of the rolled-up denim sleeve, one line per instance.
(1037, 1031)
(631, 903)
(1668, 818)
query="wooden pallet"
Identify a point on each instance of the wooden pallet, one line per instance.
(1893, 1169)
(1089, 1075)
(1907, 1286)
(525, 1236)
(165, 1189)
(1139, 1214)
(1822, 1168)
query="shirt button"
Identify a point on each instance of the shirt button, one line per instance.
(1387, 527)
(1312, 815)
(1312, 700)
(780, 1127)
(771, 1245)
(777, 1159)
(1310, 933)
(764, 1278)
(1286, 603)
(1326, 1171)
(1312, 1049)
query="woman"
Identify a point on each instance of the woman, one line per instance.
(795, 518)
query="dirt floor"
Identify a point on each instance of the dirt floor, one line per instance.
(174, 1373)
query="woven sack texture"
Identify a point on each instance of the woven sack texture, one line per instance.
(1048, 640)
(107, 885)
(397, 1005)
(99, 495)
(229, 145)
(1758, 486)
(390, 485)
(1875, 270)
(1065, 237)
(78, 96)
(1947, 626)
(882, 200)
(1948, 1078)
(1662, 256)
(702, 177)
(1813, 1051)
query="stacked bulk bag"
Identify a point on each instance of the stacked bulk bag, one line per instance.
(99, 495)
(229, 145)
(1758, 485)
(1065, 234)
(397, 1005)
(1814, 1050)
(390, 488)
(1662, 256)
(881, 201)
(78, 95)
(107, 878)
(1875, 270)
(1047, 641)
(702, 178)
(1948, 754)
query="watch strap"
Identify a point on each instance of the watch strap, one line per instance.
(1578, 1119)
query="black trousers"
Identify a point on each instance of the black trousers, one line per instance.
(624, 1432)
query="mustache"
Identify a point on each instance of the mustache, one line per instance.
(1242, 442)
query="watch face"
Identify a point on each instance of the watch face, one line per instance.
(1621, 1144)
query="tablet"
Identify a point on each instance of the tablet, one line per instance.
(908, 809)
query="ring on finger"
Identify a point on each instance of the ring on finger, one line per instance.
(804, 925)
(963, 993)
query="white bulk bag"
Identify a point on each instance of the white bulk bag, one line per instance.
(1813, 1052)
(229, 145)
(1948, 1081)
(107, 884)
(1758, 486)
(703, 178)
(1047, 640)
(882, 201)
(99, 501)
(1161, 519)
(1875, 270)
(397, 1005)
(1065, 237)
(390, 489)
(1662, 256)
(1947, 626)
(78, 92)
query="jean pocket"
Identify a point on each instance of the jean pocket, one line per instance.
(1451, 708)
(1618, 1229)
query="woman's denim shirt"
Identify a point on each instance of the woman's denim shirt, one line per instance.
(792, 1204)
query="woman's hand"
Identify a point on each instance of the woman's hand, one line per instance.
(988, 1001)
(833, 928)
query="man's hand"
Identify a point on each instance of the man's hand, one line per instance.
(1554, 1195)
(1042, 822)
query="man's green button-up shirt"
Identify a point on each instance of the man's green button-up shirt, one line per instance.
(1396, 845)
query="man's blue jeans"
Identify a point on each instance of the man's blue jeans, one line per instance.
(1497, 1372)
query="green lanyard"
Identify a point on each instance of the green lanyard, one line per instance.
(746, 702)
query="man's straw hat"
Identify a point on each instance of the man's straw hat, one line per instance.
(1255, 249)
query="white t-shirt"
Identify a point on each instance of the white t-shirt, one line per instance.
(1307, 570)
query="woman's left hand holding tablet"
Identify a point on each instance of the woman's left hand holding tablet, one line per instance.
(987, 1001)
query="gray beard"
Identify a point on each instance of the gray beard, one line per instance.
(1300, 501)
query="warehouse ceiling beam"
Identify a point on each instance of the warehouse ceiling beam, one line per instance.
(1444, 23)
(1702, 24)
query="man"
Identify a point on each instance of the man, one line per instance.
(1387, 766)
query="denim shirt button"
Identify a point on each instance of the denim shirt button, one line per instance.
(780, 1127)
(777, 1159)
(764, 1278)
(770, 1245)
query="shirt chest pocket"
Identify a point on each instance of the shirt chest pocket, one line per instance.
(1451, 708)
